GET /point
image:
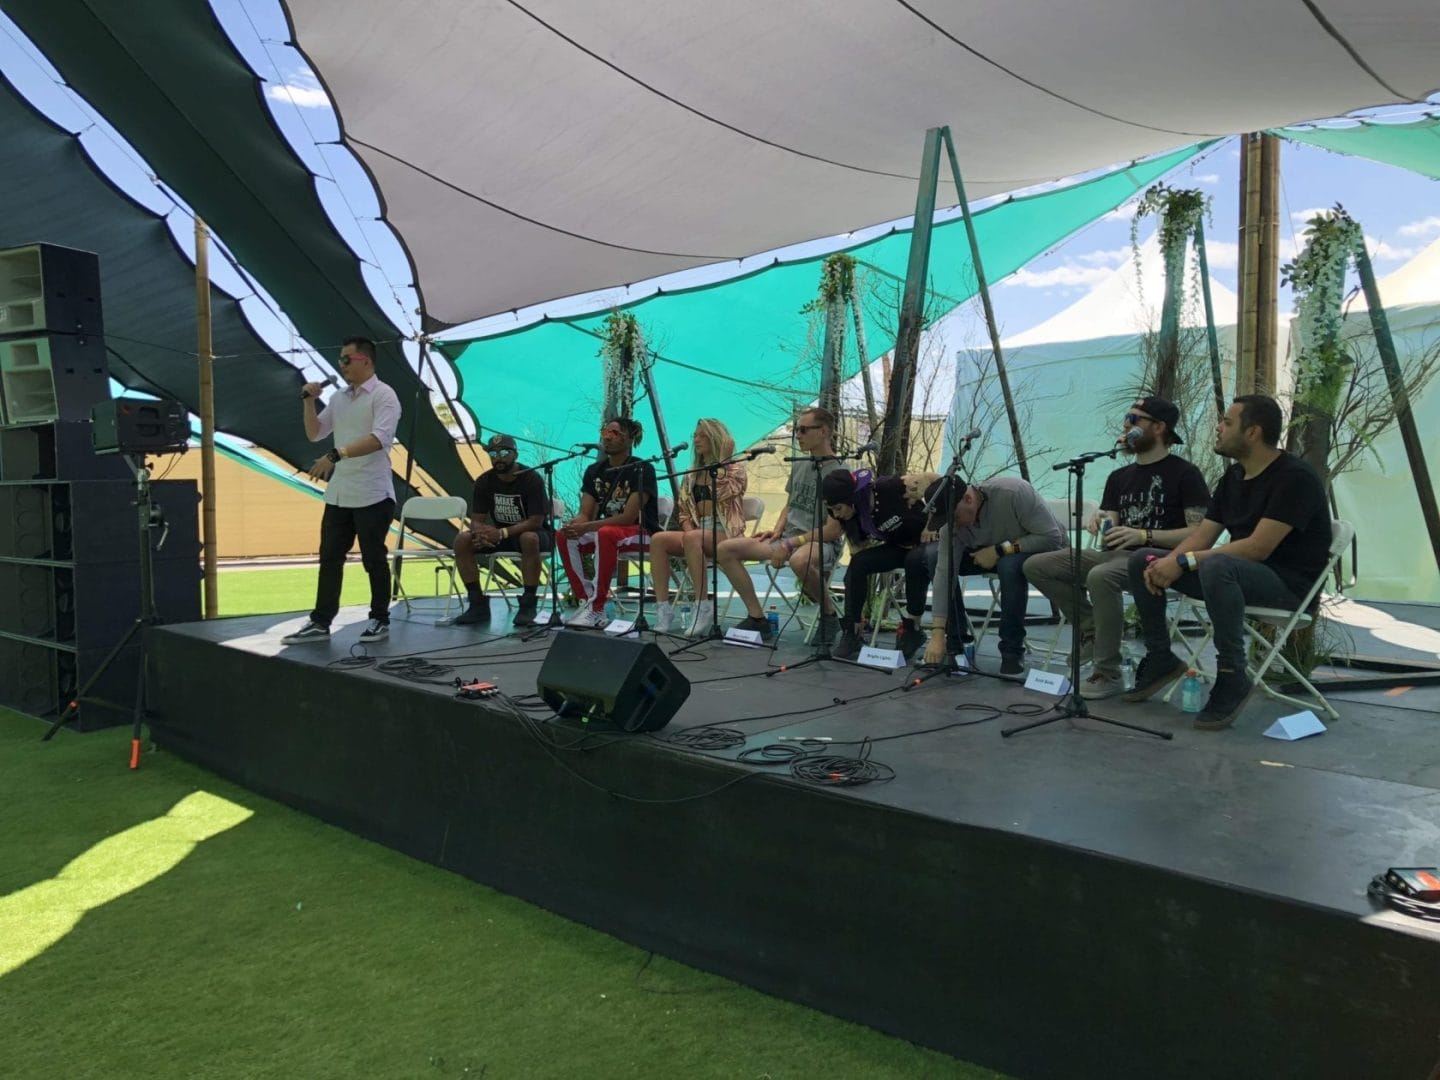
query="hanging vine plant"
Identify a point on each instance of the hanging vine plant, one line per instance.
(837, 282)
(1317, 278)
(1180, 210)
(623, 348)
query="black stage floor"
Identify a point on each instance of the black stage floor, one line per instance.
(1077, 900)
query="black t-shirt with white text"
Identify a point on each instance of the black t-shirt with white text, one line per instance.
(1289, 491)
(510, 499)
(1155, 496)
(612, 485)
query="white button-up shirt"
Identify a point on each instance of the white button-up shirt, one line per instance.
(368, 409)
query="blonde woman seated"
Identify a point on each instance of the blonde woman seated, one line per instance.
(699, 507)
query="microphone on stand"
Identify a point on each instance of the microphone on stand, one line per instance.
(1131, 437)
(970, 437)
(757, 451)
(585, 446)
(329, 380)
(676, 449)
(869, 448)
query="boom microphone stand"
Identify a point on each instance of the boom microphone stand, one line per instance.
(548, 468)
(1076, 706)
(715, 469)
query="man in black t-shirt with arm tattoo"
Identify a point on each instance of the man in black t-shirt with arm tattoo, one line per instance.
(1152, 502)
(509, 512)
(1273, 505)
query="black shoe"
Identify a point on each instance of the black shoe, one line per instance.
(848, 647)
(477, 614)
(1012, 664)
(758, 623)
(909, 640)
(1227, 698)
(525, 613)
(1156, 670)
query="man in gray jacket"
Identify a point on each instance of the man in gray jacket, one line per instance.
(998, 524)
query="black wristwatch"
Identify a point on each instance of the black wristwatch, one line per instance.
(334, 455)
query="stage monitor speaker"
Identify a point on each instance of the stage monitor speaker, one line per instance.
(140, 426)
(630, 684)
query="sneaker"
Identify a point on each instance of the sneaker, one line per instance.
(1011, 664)
(525, 613)
(704, 619)
(848, 647)
(828, 630)
(909, 639)
(376, 630)
(311, 631)
(478, 613)
(1155, 671)
(756, 622)
(587, 618)
(664, 617)
(1100, 685)
(1227, 698)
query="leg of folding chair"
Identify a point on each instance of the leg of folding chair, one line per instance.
(994, 583)
(1273, 654)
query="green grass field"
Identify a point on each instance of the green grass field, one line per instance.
(229, 936)
(263, 592)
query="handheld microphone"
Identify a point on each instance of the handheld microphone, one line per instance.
(329, 380)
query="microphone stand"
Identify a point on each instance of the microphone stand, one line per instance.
(548, 468)
(1076, 705)
(822, 646)
(714, 632)
(640, 621)
(946, 667)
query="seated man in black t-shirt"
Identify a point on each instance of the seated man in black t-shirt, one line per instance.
(1274, 507)
(1152, 502)
(508, 512)
(891, 510)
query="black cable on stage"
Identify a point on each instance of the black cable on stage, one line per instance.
(705, 738)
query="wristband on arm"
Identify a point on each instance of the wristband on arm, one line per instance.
(1005, 547)
(1188, 561)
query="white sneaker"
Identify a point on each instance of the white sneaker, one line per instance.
(704, 617)
(587, 618)
(1098, 686)
(664, 617)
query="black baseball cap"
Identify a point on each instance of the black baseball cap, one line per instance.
(1165, 411)
(501, 442)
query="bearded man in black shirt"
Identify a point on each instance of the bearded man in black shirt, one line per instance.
(1274, 507)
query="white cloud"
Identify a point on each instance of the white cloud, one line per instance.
(303, 97)
(1382, 251)
(1222, 254)
(1123, 212)
(1424, 227)
(1302, 217)
(1208, 178)
(1069, 276)
(1106, 257)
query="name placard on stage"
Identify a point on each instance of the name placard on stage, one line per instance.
(886, 659)
(1047, 682)
(749, 639)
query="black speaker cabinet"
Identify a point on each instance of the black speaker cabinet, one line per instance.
(630, 684)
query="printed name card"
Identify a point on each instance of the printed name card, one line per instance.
(886, 659)
(1298, 725)
(749, 639)
(620, 627)
(1047, 682)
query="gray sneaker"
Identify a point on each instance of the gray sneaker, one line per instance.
(311, 631)
(1099, 686)
(377, 630)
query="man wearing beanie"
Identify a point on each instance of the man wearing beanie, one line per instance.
(888, 514)
(1154, 501)
(508, 513)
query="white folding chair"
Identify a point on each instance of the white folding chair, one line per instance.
(638, 555)
(505, 565)
(1285, 622)
(428, 508)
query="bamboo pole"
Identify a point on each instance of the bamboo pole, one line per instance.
(1248, 279)
(206, 377)
(1268, 268)
(984, 288)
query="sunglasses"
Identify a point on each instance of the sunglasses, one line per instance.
(800, 429)
(500, 451)
(1134, 418)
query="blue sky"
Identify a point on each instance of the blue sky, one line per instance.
(1400, 211)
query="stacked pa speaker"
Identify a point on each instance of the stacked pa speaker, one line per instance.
(70, 532)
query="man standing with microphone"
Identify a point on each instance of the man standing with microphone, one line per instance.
(360, 495)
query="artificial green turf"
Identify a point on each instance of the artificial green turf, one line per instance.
(286, 948)
(264, 592)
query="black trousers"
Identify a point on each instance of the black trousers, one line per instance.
(339, 528)
(876, 560)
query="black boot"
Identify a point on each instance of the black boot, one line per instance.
(525, 614)
(478, 613)
(908, 639)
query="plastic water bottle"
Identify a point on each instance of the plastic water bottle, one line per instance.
(1127, 670)
(685, 614)
(609, 610)
(1190, 692)
(773, 617)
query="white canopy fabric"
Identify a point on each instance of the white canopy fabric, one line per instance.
(527, 151)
